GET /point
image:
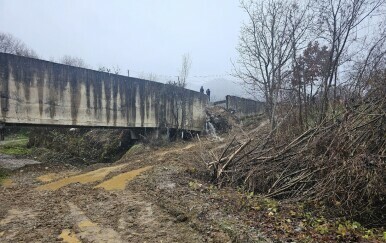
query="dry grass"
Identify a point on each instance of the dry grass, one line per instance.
(338, 166)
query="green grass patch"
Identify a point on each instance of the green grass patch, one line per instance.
(3, 175)
(16, 135)
(15, 147)
(134, 150)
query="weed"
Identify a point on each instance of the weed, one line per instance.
(3, 175)
(15, 147)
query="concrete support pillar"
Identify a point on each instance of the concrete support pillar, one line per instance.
(2, 131)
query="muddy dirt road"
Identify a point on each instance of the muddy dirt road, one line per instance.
(148, 196)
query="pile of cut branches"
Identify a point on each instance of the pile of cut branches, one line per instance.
(339, 164)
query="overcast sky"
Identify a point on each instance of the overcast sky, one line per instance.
(141, 35)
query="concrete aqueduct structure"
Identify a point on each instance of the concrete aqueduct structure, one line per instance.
(37, 92)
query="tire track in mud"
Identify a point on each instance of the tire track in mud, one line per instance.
(76, 209)
(84, 178)
(90, 231)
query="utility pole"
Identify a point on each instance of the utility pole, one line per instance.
(128, 73)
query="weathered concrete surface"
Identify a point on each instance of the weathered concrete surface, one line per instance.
(222, 103)
(38, 92)
(244, 107)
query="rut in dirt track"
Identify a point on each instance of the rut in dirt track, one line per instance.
(100, 205)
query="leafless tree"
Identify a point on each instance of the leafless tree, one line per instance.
(275, 29)
(116, 70)
(338, 24)
(366, 65)
(104, 69)
(12, 45)
(184, 71)
(73, 61)
(175, 90)
(300, 20)
(148, 76)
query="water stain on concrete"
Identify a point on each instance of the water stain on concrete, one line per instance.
(40, 92)
(119, 182)
(69, 236)
(85, 178)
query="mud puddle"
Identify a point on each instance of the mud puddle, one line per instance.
(119, 182)
(7, 183)
(92, 176)
(48, 177)
(88, 230)
(161, 154)
(69, 236)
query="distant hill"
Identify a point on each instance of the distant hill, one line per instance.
(220, 87)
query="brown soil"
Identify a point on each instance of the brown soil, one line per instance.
(151, 195)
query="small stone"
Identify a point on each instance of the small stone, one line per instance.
(181, 218)
(298, 229)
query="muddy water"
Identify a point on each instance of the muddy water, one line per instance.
(48, 177)
(160, 154)
(89, 177)
(119, 182)
(86, 223)
(90, 231)
(7, 183)
(69, 236)
(15, 214)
